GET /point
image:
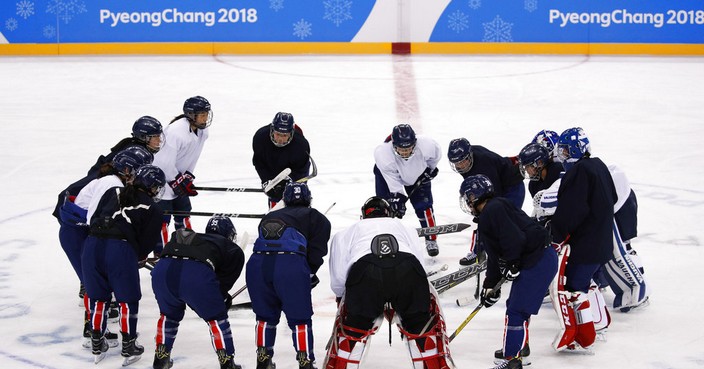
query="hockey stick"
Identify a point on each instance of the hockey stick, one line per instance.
(279, 177)
(313, 174)
(436, 271)
(442, 229)
(451, 280)
(209, 214)
(239, 291)
(476, 310)
(229, 189)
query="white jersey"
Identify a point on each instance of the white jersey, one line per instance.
(89, 197)
(349, 245)
(180, 152)
(545, 202)
(399, 172)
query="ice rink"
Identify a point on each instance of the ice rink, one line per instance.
(645, 114)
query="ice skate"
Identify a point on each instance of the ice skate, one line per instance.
(431, 246)
(99, 346)
(131, 349)
(162, 358)
(510, 363)
(525, 353)
(226, 361)
(264, 359)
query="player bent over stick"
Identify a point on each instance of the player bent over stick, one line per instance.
(376, 271)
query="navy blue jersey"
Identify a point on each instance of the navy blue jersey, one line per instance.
(219, 253)
(94, 172)
(143, 229)
(269, 160)
(585, 212)
(509, 234)
(313, 225)
(500, 170)
(553, 174)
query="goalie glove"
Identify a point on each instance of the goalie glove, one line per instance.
(398, 204)
(314, 280)
(183, 184)
(489, 297)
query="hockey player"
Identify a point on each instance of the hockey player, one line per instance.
(282, 271)
(197, 270)
(404, 167)
(467, 160)
(185, 137)
(146, 132)
(536, 165)
(123, 230)
(74, 213)
(376, 270)
(518, 249)
(583, 226)
(277, 146)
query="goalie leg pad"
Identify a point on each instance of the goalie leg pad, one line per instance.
(349, 344)
(586, 334)
(600, 313)
(560, 301)
(624, 276)
(430, 348)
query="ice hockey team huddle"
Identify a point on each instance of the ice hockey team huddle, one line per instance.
(575, 244)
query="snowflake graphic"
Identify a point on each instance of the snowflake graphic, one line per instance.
(475, 4)
(25, 9)
(302, 29)
(65, 10)
(276, 5)
(337, 11)
(11, 24)
(497, 31)
(458, 21)
(49, 31)
(530, 5)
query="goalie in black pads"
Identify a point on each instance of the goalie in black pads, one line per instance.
(376, 271)
(198, 270)
(517, 250)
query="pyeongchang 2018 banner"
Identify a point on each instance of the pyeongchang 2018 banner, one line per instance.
(558, 21)
(86, 21)
(573, 21)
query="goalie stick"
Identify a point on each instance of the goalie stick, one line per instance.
(451, 280)
(442, 229)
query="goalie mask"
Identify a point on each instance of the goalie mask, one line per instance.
(572, 146)
(297, 194)
(222, 226)
(376, 207)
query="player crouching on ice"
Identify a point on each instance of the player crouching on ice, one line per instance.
(376, 271)
(517, 250)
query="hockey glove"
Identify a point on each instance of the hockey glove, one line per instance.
(183, 184)
(489, 299)
(428, 175)
(398, 204)
(510, 269)
(276, 192)
(314, 280)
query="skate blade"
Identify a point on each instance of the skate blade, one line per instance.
(601, 335)
(526, 361)
(578, 350)
(87, 344)
(131, 360)
(98, 358)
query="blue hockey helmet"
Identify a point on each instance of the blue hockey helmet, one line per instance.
(403, 139)
(572, 146)
(547, 139)
(460, 155)
(145, 129)
(532, 159)
(151, 179)
(376, 207)
(195, 109)
(222, 226)
(475, 189)
(282, 129)
(127, 161)
(297, 194)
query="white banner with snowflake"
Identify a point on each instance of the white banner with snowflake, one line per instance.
(554, 21)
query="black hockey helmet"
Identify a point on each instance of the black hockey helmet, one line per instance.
(376, 207)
